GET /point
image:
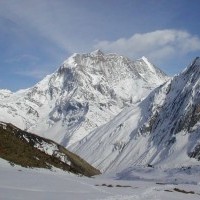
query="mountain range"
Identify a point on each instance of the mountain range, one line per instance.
(114, 112)
(85, 92)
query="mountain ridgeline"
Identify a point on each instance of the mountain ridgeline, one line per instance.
(86, 91)
(162, 130)
(114, 112)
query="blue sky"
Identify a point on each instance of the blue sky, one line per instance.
(36, 36)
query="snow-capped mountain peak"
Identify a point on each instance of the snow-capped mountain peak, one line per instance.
(97, 52)
(151, 67)
(84, 93)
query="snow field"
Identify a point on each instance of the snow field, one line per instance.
(22, 183)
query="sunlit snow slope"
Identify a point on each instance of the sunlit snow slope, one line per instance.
(86, 91)
(163, 129)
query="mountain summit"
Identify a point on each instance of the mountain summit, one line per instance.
(85, 92)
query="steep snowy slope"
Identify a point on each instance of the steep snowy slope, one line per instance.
(163, 130)
(87, 91)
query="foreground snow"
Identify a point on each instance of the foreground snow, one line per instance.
(21, 183)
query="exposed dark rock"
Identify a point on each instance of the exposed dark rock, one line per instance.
(29, 150)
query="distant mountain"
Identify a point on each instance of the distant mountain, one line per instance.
(162, 130)
(87, 91)
(29, 150)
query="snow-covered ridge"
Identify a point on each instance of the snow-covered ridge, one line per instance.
(162, 130)
(85, 92)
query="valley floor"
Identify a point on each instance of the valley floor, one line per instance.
(22, 183)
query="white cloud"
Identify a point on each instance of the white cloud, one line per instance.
(157, 45)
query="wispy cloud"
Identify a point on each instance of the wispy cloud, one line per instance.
(23, 58)
(34, 73)
(30, 66)
(56, 21)
(157, 45)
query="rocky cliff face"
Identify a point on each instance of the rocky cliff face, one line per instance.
(86, 91)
